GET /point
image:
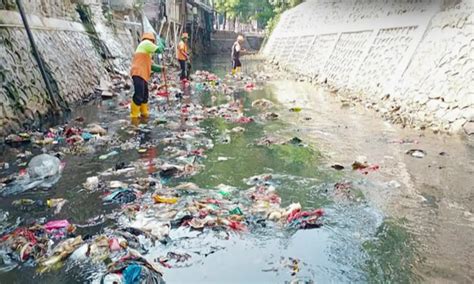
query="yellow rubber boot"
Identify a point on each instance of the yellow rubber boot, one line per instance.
(134, 110)
(135, 121)
(233, 71)
(144, 110)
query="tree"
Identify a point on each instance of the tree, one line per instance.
(264, 11)
(279, 6)
(229, 8)
(244, 10)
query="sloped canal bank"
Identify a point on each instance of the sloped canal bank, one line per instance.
(356, 242)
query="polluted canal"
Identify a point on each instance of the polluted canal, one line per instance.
(223, 184)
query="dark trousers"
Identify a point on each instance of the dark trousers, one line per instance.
(182, 64)
(141, 90)
(236, 63)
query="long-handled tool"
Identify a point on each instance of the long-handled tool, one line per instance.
(189, 67)
(165, 79)
(164, 93)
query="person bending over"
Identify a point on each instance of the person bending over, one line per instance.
(142, 67)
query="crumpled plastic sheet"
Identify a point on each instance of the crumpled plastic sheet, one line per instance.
(43, 171)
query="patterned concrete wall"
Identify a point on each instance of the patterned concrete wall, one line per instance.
(438, 83)
(407, 58)
(73, 61)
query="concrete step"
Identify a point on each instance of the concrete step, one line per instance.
(223, 39)
(224, 35)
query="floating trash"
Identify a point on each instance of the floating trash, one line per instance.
(416, 153)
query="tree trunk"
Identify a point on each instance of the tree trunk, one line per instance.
(225, 20)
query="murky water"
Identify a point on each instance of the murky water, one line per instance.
(362, 239)
(431, 198)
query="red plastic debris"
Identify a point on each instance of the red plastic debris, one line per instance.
(124, 103)
(68, 132)
(243, 120)
(203, 213)
(162, 93)
(298, 214)
(212, 201)
(114, 244)
(197, 152)
(22, 232)
(249, 86)
(367, 170)
(237, 226)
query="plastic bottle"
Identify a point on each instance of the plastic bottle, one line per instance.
(168, 200)
(53, 202)
(236, 211)
(23, 202)
(224, 192)
(108, 155)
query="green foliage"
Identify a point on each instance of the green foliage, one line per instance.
(229, 7)
(281, 6)
(264, 11)
(271, 24)
(245, 10)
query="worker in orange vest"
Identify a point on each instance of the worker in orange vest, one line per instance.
(142, 67)
(182, 54)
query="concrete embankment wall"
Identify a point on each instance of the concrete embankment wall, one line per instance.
(76, 56)
(412, 61)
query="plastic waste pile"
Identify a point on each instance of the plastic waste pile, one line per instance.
(148, 200)
(66, 135)
(27, 204)
(205, 81)
(79, 135)
(44, 170)
(33, 243)
(133, 268)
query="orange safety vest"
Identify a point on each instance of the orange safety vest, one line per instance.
(181, 51)
(141, 65)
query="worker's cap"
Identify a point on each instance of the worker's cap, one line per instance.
(148, 36)
(240, 38)
(185, 35)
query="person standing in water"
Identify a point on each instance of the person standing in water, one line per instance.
(236, 49)
(182, 54)
(141, 69)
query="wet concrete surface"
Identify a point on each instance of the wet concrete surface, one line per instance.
(436, 192)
